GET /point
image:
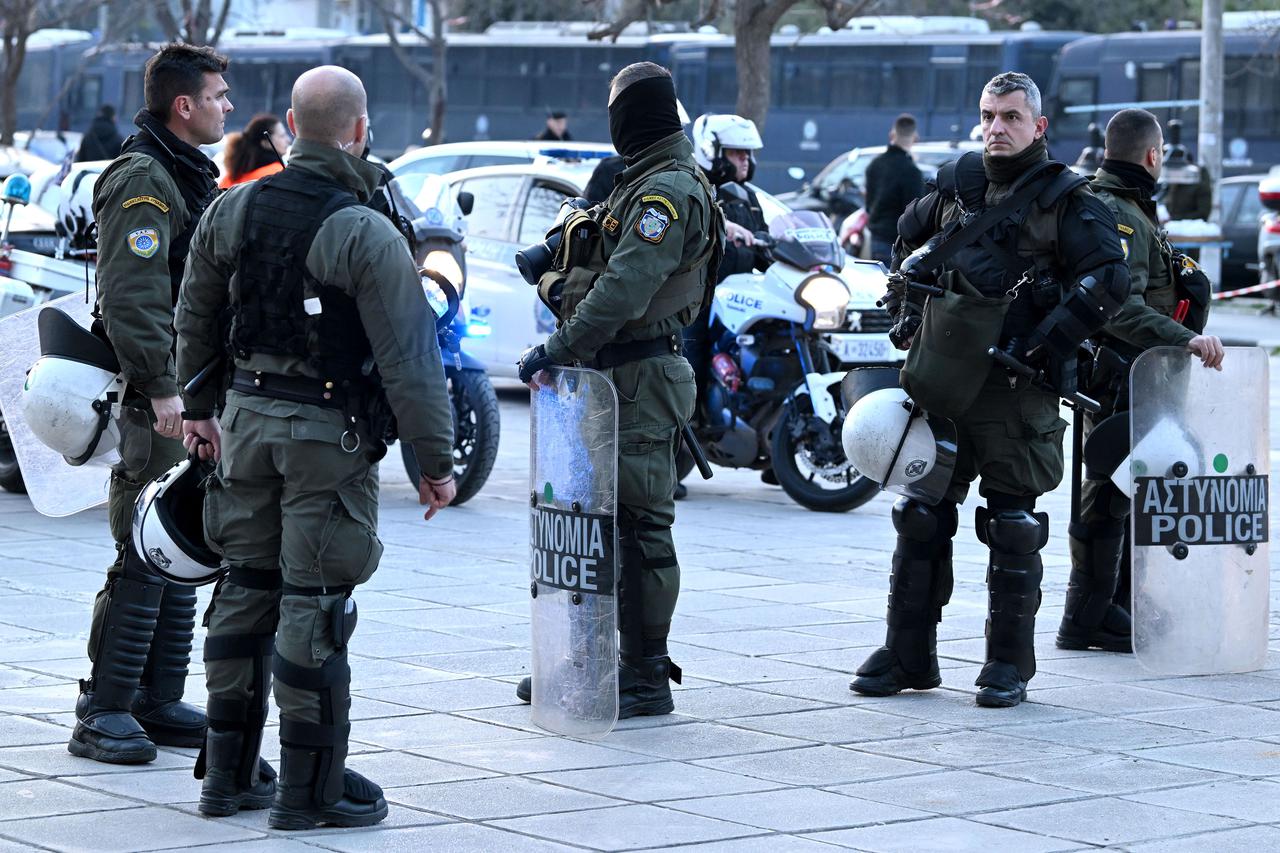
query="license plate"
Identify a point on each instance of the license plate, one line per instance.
(861, 349)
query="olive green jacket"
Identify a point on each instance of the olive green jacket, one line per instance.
(138, 210)
(356, 250)
(1146, 319)
(652, 227)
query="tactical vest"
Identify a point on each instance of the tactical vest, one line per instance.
(195, 184)
(580, 259)
(277, 306)
(1018, 256)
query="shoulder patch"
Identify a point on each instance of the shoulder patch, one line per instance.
(1124, 229)
(146, 199)
(652, 225)
(671, 208)
(610, 223)
(144, 242)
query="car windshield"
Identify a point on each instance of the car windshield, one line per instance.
(805, 239)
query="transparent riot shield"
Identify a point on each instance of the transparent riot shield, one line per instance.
(1199, 464)
(55, 488)
(573, 468)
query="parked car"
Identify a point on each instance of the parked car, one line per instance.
(514, 206)
(1241, 221)
(456, 156)
(839, 188)
(1269, 229)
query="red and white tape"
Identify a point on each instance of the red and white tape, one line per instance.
(1257, 288)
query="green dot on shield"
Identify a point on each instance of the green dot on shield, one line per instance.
(1220, 463)
(548, 494)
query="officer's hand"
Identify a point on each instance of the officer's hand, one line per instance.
(436, 495)
(904, 331)
(203, 438)
(1209, 349)
(168, 416)
(735, 233)
(533, 361)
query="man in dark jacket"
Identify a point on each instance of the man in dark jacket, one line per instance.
(893, 182)
(101, 141)
(557, 129)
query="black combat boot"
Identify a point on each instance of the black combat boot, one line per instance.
(1015, 537)
(307, 798)
(105, 729)
(644, 686)
(158, 705)
(919, 585)
(1091, 618)
(524, 690)
(234, 776)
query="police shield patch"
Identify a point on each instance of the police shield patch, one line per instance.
(144, 242)
(653, 225)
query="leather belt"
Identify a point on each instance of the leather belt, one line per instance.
(295, 389)
(613, 355)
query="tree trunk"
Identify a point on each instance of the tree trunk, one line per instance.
(15, 54)
(753, 23)
(439, 71)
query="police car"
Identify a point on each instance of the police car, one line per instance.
(456, 156)
(514, 206)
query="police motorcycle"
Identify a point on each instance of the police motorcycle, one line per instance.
(777, 345)
(28, 279)
(430, 214)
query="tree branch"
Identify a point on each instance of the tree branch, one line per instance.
(841, 12)
(222, 22)
(164, 17)
(708, 14)
(632, 11)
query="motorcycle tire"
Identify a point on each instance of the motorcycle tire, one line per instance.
(476, 427)
(10, 473)
(798, 485)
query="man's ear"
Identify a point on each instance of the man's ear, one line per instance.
(182, 106)
(1042, 125)
(361, 132)
(288, 117)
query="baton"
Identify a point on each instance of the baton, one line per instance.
(699, 458)
(1075, 398)
(202, 378)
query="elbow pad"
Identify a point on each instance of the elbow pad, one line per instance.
(1084, 311)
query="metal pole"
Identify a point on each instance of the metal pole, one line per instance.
(1209, 143)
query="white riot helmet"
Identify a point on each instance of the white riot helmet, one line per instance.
(168, 527)
(895, 443)
(713, 133)
(72, 395)
(75, 222)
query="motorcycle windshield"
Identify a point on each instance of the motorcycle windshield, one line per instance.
(805, 239)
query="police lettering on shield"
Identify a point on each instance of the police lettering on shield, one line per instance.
(571, 550)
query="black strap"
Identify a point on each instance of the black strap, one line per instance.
(336, 589)
(295, 389)
(984, 222)
(254, 578)
(612, 355)
(238, 646)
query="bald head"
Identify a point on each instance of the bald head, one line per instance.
(329, 106)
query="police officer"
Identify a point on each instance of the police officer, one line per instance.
(147, 204)
(660, 233)
(328, 324)
(1037, 282)
(1096, 614)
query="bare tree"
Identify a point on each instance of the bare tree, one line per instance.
(194, 22)
(18, 20)
(434, 81)
(753, 24)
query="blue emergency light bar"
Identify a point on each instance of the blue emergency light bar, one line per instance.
(573, 154)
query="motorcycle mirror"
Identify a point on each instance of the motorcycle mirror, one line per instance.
(466, 201)
(795, 173)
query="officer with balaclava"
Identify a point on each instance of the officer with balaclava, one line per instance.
(659, 234)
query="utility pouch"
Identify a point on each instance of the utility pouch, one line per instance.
(1194, 286)
(947, 364)
(1046, 292)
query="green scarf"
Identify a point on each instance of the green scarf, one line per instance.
(1006, 170)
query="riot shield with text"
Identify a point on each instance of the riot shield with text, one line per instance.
(1199, 465)
(573, 423)
(55, 487)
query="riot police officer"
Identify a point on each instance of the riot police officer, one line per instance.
(659, 243)
(329, 336)
(1096, 614)
(147, 204)
(1032, 265)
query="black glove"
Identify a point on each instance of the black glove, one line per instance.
(532, 360)
(908, 324)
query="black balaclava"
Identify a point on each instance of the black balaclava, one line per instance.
(1131, 175)
(642, 114)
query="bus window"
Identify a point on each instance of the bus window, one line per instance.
(1074, 91)
(804, 84)
(903, 86)
(948, 87)
(854, 86)
(722, 87)
(1155, 83)
(1250, 102)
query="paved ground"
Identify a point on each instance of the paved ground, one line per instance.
(768, 749)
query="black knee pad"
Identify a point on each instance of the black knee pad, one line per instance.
(1012, 531)
(923, 523)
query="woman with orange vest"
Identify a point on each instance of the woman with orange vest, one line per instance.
(256, 152)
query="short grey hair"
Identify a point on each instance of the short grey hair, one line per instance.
(1016, 81)
(634, 73)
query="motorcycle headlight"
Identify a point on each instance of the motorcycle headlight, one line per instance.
(445, 265)
(826, 297)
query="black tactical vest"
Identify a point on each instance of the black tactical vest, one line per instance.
(194, 175)
(277, 306)
(996, 262)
